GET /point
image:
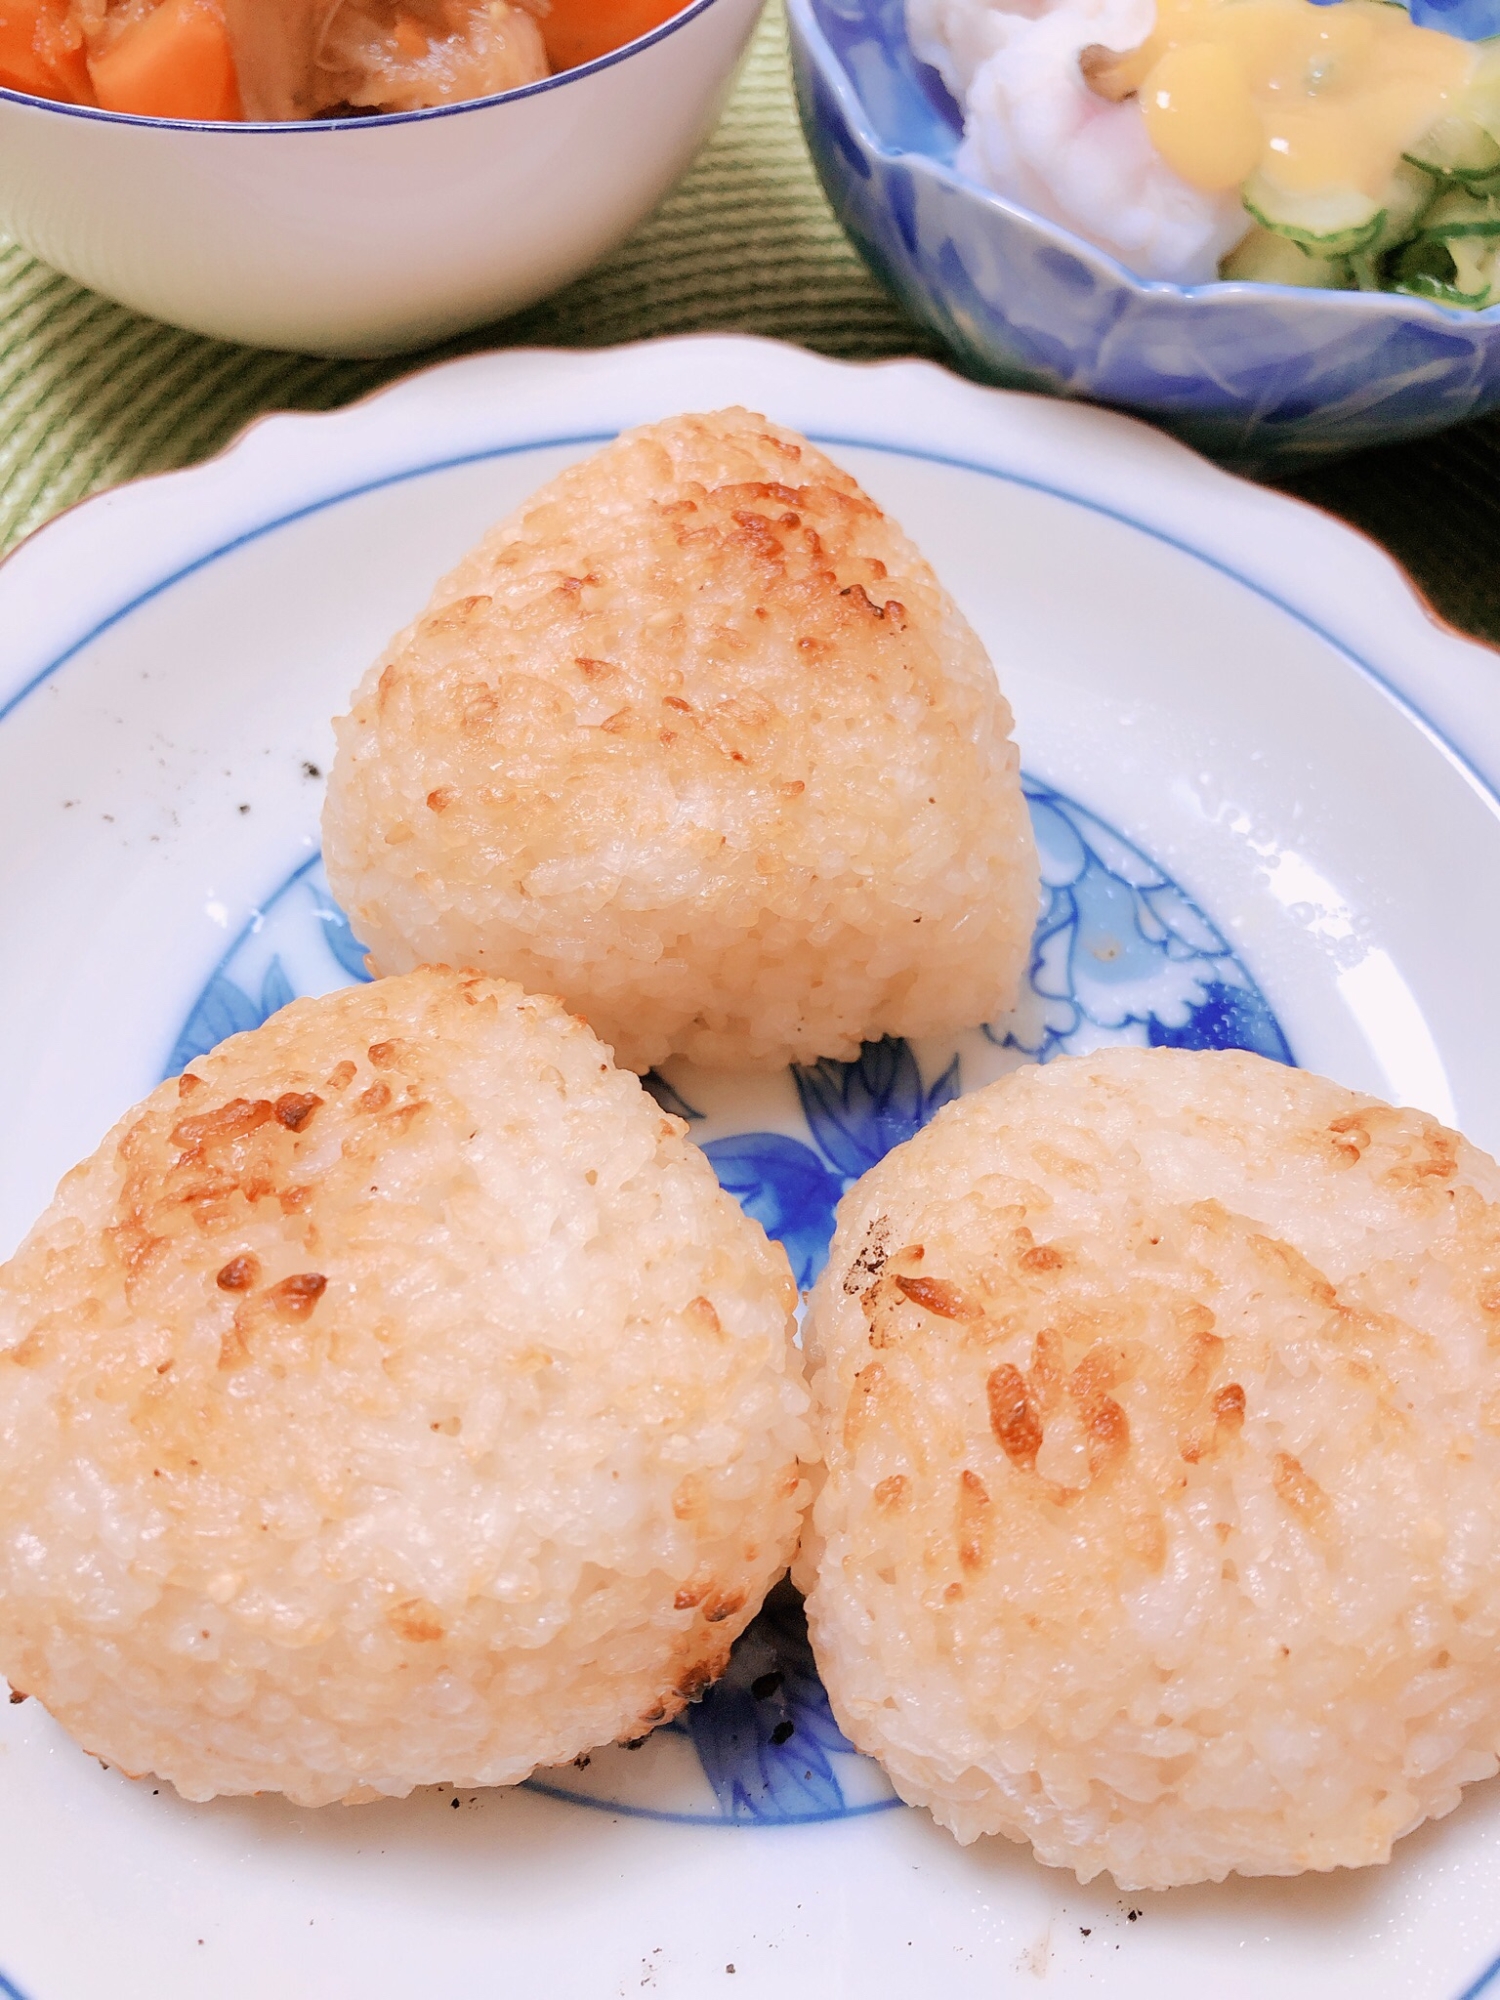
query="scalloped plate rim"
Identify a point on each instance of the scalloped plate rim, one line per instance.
(1449, 693)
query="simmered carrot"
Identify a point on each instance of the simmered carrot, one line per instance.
(576, 31)
(41, 51)
(173, 63)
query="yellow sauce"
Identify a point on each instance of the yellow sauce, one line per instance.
(1313, 97)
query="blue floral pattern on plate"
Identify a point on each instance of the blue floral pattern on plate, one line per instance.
(1264, 375)
(1120, 954)
(300, 943)
(856, 1111)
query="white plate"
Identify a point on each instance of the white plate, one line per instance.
(1263, 778)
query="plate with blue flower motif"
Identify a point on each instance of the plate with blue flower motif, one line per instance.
(1262, 779)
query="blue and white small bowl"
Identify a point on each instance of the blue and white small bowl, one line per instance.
(1263, 375)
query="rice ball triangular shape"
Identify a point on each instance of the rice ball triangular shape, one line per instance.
(393, 1399)
(696, 740)
(1160, 1393)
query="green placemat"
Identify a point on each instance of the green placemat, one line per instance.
(91, 394)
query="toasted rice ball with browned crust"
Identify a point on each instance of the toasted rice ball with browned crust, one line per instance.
(1161, 1401)
(393, 1399)
(696, 739)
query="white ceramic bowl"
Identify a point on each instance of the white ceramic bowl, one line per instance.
(369, 235)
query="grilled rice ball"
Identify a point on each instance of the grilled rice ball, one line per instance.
(697, 740)
(393, 1398)
(1161, 1528)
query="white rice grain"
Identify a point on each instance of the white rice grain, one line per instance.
(1161, 1524)
(394, 1399)
(696, 740)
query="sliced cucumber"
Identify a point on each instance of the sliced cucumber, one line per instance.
(1458, 273)
(1480, 99)
(1266, 258)
(1409, 195)
(1331, 222)
(1462, 212)
(1457, 147)
(1406, 200)
(1474, 268)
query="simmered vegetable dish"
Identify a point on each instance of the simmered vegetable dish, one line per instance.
(297, 59)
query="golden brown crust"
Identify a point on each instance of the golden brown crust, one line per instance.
(397, 1397)
(709, 751)
(1190, 1368)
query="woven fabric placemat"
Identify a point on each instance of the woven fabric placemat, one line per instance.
(91, 394)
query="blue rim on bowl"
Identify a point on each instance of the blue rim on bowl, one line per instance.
(375, 120)
(1267, 376)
